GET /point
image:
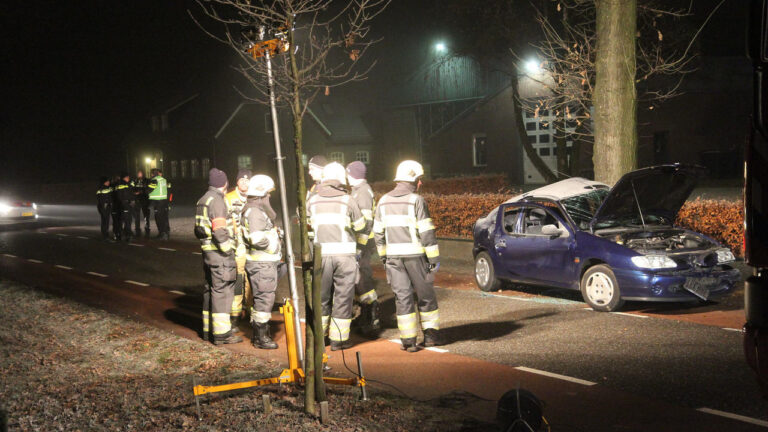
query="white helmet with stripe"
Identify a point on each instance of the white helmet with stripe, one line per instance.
(409, 171)
(335, 171)
(260, 185)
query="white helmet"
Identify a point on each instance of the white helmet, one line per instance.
(335, 171)
(409, 171)
(260, 185)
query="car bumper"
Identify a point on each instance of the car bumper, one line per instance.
(670, 286)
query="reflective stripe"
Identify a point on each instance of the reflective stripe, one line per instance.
(367, 214)
(362, 239)
(425, 225)
(432, 251)
(407, 325)
(368, 297)
(341, 220)
(260, 317)
(398, 221)
(382, 250)
(219, 223)
(221, 323)
(339, 329)
(206, 321)
(378, 227)
(404, 249)
(262, 256)
(226, 246)
(430, 320)
(359, 224)
(104, 191)
(257, 236)
(345, 248)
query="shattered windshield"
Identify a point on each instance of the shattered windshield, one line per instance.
(582, 208)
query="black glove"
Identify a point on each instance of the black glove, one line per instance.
(384, 260)
(433, 268)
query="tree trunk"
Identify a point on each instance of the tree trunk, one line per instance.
(615, 98)
(536, 160)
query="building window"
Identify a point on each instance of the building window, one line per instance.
(363, 156)
(268, 123)
(544, 151)
(532, 139)
(337, 157)
(479, 152)
(195, 168)
(531, 126)
(174, 169)
(244, 162)
(184, 168)
(206, 167)
(543, 138)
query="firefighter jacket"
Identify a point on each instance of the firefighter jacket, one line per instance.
(335, 219)
(211, 222)
(363, 196)
(235, 204)
(158, 188)
(140, 187)
(104, 196)
(259, 233)
(125, 194)
(402, 226)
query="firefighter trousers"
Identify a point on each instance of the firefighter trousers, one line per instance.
(409, 276)
(220, 274)
(242, 287)
(263, 277)
(340, 274)
(365, 289)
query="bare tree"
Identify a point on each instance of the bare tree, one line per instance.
(317, 45)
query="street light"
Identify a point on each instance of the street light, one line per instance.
(440, 47)
(147, 160)
(532, 67)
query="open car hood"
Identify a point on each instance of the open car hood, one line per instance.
(661, 191)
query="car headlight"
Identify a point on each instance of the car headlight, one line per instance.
(725, 255)
(4, 208)
(653, 262)
(34, 206)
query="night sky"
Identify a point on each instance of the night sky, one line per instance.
(79, 76)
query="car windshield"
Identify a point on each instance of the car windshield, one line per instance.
(582, 208)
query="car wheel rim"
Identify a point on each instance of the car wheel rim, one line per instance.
(600, 289)
(482, 271)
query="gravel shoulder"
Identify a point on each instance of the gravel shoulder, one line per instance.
(65, 366)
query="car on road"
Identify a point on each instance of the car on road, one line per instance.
(612, 244)
(13, 210)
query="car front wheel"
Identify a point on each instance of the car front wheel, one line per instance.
(600, 289)
(484, 273)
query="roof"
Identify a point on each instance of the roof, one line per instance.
(561, 190)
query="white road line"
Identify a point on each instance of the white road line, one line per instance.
(83, 237)
(135, 244)
(436, 349)
(62, 235)
(197, 253)
(178, 292)
(167, 249)
(630, 315)
(63, 267)
(136, 283)
(558, 376)
(732, 329)
(96, 274)
(35, 261)
(10, 256)
(588, 309)
(745, 419)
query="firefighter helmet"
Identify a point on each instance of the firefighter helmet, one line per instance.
(260, 185)
(335, 171)
(409, 171)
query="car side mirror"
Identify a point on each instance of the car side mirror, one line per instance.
(551, 230)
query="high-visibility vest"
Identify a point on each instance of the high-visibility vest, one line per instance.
(257, 238)
(159, 187)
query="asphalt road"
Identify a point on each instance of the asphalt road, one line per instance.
(686, 364)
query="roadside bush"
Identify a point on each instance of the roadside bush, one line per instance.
(720, 219)
(455, 215)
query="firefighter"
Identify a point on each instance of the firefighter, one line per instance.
(218, 260)
(316, 165)
(158, 196)
(365, 290)
(335, 219)
(406, 243)
(104, 204)
(127, 204)
(263, 258)
(141, 209)
(235, 203)
(117, 226)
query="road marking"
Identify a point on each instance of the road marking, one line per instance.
(137, 283)
(436, 349)
(96, 274)
(135, 244)
(630, 315)
(178, 292)
(83, 237)
(197, 253)
(745, 419)
(558, 376)
(588, 309)
(545, 300)
(35, 261)
(732, 329)
(63, 267)
(10, 256)
(62, 235)
(167, 249)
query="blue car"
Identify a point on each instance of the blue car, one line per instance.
(612, 244)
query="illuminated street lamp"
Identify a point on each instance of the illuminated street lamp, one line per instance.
(532, 67)
(147, 160)
(440, 47)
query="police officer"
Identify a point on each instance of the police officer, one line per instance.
(218, 260)
(117, 226)
(264, 252)
(127, 204)
(141, 209)
(365, 290)
(235, 203)
(335, 219)
(104, 204)
(406, 243)
(158, 197)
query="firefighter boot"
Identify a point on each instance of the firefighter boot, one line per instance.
(227, 338)
(341, 345)
(374, 316)
(409, 344)
(261, 338)
(234, 320)
(432, 337)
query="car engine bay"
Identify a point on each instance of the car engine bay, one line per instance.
(670, 241)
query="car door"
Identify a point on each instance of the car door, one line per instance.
(507, 255)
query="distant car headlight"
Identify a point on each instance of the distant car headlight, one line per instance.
(34, 206)
(725, 255)
(653, 262)
(4, 208)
